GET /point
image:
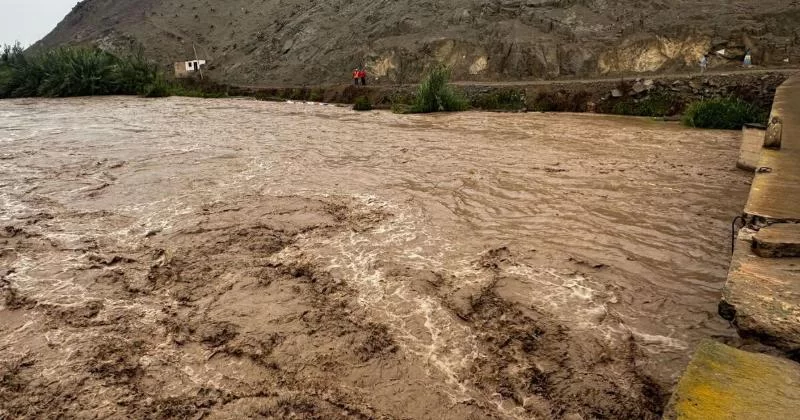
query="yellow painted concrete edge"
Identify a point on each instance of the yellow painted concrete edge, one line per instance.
(725, 383)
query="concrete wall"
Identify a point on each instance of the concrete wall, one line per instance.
(180, 69)
(752, 143)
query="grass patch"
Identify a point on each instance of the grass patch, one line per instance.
(655, 105)
(559, 101)
(501, 100)
(362, 104)
(178, 89)
(271, 95)
(401, 108)
(316, 95)
(723, 113)
(435, 94)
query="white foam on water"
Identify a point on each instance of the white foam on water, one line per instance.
(49, 290)
(654, 343)
(421, 324)
(11, 208)
(9, 114)
(159, 215)
(569, 296)
(573, 300)
(49, 281)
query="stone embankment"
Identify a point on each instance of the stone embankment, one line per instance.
(762, 295)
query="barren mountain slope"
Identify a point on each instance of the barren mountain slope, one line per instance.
(307, 41)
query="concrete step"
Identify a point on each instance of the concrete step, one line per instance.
(725, 383)
(762, 297)
(778, 241)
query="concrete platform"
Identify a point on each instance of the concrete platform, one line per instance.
(775, 193)
(780, 240)
(725, 383)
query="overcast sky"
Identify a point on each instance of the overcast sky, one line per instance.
(28, 21)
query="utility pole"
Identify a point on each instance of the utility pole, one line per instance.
(197, 60)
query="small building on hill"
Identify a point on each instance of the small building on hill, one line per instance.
(187, 68)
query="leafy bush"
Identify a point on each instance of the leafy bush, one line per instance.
(436, 95)
(362, 104)
(723, 113)
(135, 73)
(72, 72)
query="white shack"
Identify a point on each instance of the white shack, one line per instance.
(185, 68)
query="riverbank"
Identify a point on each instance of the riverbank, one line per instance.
(77, 71)
(666, 95)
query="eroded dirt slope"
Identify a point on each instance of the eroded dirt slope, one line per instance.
(234, 258)
(298, 42)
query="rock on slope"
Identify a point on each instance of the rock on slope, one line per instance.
(281, 42)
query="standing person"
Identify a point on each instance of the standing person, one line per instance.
(703, 63)
(363, 76)
(748, 59)
(356, 73)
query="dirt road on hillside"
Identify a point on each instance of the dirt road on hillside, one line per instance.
(577, 81)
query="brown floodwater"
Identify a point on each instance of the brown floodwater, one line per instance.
(228, 258)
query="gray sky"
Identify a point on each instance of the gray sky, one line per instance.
(28, 21)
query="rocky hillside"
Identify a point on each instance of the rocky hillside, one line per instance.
(290, 42)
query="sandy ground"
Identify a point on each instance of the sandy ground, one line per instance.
(232, 258)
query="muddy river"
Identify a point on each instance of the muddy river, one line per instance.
(233, 258)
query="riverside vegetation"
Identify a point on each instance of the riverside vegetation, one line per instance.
(723, 113)
(435, 94)
(76, 71)
(82, 71)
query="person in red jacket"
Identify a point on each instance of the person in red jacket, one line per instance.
(362, 74)
(356, 74)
